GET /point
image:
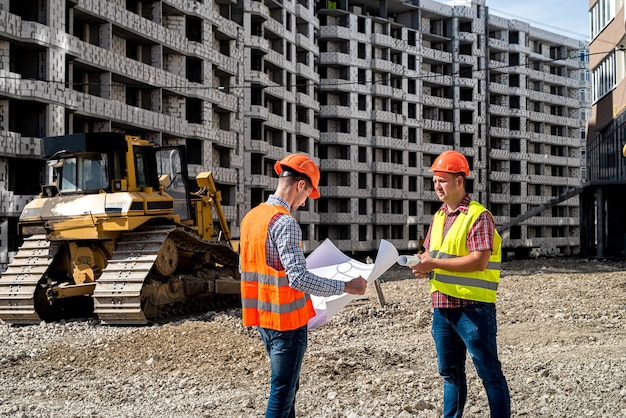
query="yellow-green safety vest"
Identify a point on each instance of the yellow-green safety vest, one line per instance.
(479, 286)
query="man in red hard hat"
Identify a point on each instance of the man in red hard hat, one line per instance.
(275, 284)
(462, 261)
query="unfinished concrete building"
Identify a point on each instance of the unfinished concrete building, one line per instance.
(536, 135)
(163, 70)
(281, 106)
(374, 91)
(401, 83)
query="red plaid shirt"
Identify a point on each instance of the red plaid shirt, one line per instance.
(479, 238)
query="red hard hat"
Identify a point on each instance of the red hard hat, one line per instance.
(302, 164)
(451, 162)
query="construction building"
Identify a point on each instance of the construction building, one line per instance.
(401, 83)
(168, 71)
(374, 91)
(603, 227)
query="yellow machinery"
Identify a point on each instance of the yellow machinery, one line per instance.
(120, 236)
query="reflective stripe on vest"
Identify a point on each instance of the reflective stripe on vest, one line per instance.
(266, 297)
(478, 285)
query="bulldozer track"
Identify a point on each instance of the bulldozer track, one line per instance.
(221, 253)
(117, 296)
(19, 282)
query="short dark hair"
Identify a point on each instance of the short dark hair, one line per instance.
(294, 176)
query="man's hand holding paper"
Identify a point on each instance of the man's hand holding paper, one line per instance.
(328, 261)
(356, 286)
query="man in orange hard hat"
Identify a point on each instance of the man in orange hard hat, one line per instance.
(275, 284)
(462, 261)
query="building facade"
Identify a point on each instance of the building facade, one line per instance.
(373, 91)
(401, 83)
(168, 71)
(603, 226)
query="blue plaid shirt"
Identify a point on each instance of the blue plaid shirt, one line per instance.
(283, 251)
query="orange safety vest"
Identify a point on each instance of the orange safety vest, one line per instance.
(267, 299)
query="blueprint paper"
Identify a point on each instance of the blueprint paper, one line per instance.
(385, 258)
(328, 261)
(326, 255)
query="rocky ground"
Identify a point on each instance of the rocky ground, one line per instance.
(562, 342)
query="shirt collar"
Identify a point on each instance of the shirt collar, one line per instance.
(463, 206)
(278, 201)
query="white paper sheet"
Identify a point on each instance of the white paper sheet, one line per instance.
(328, 261)
(408, 260)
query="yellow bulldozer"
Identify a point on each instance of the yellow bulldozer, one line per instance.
(120, 236)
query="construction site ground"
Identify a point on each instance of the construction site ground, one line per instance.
(562, 342)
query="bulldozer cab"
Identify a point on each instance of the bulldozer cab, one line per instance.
(173, 177)
(109, 162)
(82, 173)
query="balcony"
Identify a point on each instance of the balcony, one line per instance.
(256, 8)
(383, 167)
(227, 64)
(259, 43)
(226, 138)
(259, 180)
(435, 78)
(307, 71)
(335, 58)
(258, 112)
(389, 142)
(436, 55)
(259, 77)
(436, 101)
(226, 175)
(13, 144)
(380, 39)
(258, 146)
(504, 176)
(305, 42)
(387, 117)
(12, 204)
(498, 44)
(335, 111)
(388, 219)
(437, 125)
(387, 193)
(306, 130)
(336, 218)
(499, 154)
(337, 138)
(277, 28)
(307, 101)
(335, 32)
(382, 90)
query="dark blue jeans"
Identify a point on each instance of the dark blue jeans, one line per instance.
(470, 329)
(286, 350)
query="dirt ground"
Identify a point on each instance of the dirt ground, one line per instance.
(562, 342)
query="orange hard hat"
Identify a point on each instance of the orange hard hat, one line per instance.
(451, 162)
(301, 164)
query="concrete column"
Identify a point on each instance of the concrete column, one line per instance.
(600, 223)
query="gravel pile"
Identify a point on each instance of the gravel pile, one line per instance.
(562, 342)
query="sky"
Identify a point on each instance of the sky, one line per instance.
(566, 17)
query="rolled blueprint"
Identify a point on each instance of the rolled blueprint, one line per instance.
(408, 260)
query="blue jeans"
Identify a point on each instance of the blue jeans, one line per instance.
(286, 350)
(470, 329)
